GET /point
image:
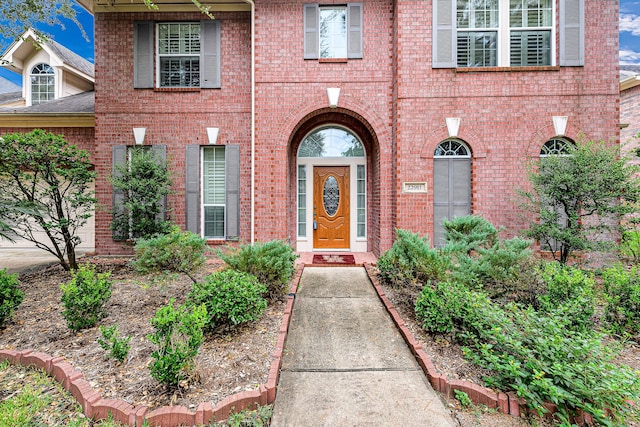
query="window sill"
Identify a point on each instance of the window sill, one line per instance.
(333, 60)
(177, 89)
(506, 69)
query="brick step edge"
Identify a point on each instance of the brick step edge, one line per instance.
(508, 403)
(97, 408)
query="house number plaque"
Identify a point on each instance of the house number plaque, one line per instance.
(414, 187)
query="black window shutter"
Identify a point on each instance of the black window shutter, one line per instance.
(143, 54)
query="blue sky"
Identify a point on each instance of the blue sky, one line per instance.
(71, 37)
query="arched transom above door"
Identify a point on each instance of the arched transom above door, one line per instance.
(331, 142)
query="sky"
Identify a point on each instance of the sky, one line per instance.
(71, 36)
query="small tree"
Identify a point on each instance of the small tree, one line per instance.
(579, 197)
(144, 181)
(46, 182)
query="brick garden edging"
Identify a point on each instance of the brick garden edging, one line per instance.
(508, 403)
(97, 408)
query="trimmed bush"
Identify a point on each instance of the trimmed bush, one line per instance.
(178, 335)
(118, 348)
(84, 298)
(231, 298)
(411, 261)
(10, 295)
(273, 263)
(569, 293)
(469, 233)
(175, 252)
(622, 293)
(439, 306)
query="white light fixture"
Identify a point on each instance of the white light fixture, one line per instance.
(453, 125)
(138, 135)
(560, 124)
(212, 135)
(334, 94)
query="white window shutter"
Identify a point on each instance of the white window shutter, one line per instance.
(311, 17)
(444, 34)
(143, 54)
(354, 34)
(210, 54)
(571, 33)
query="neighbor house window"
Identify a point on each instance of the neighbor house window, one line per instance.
(507, 33)
(42, 84)
(213, 192)
(186, 54)
(332, 31)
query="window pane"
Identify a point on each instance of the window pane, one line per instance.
(361, 202)
(331, 142)
(214, 221)
(477, 49)
(180, 72)
(302, 200)
(333, 33)
(213, 179)
(530, 13)
(477, 14)
(179, 51)
(529, 48)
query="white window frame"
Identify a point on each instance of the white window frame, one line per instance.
(39, 76)
(346, 31)
(202, 193)
(160, 56)
(504, 30)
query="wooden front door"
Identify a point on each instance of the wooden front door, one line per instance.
(331, 207)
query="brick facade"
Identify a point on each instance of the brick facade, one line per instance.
(392, 99)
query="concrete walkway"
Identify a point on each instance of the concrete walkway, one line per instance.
(346, 364)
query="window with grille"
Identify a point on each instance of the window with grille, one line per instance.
(179, 54)
(504, 33)
(214, 191)
(43, 86)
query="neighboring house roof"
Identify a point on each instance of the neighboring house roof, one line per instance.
(71, 111)
(7, 86)
(62, 57)
(10, 98)
(629, 76)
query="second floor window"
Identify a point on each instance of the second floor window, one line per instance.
(179, 54)
(332, 31)
(504, 33)
(43, 86)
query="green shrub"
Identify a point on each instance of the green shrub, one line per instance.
(543, 360)
(273, 263)
(84, 297)
(622, 293)
(506, 271)
(569, 293)
(175, 252)
(231, 298)
(178, 335)
(469, 233)
(259, 417)
(10, 295)
(118, 348)
(411, 260)
(439, 306)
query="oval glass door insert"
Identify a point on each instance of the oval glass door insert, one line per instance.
(331, 196)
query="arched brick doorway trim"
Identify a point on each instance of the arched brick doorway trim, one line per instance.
(363, 130)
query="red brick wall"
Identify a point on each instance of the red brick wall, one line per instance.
(393, 95)
(173, 118)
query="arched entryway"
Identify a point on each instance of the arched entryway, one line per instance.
(334, 196)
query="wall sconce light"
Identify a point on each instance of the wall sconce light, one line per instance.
(453, 125)
(212, 135)
(334, 94)
(138, 135)
(560, 124)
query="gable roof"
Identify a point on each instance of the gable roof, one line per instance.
(29, 42)
(7, 86)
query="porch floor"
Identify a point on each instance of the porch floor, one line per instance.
(306, 258)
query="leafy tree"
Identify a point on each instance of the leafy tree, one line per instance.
(579, 198)
(47, 180)
(145, 182)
